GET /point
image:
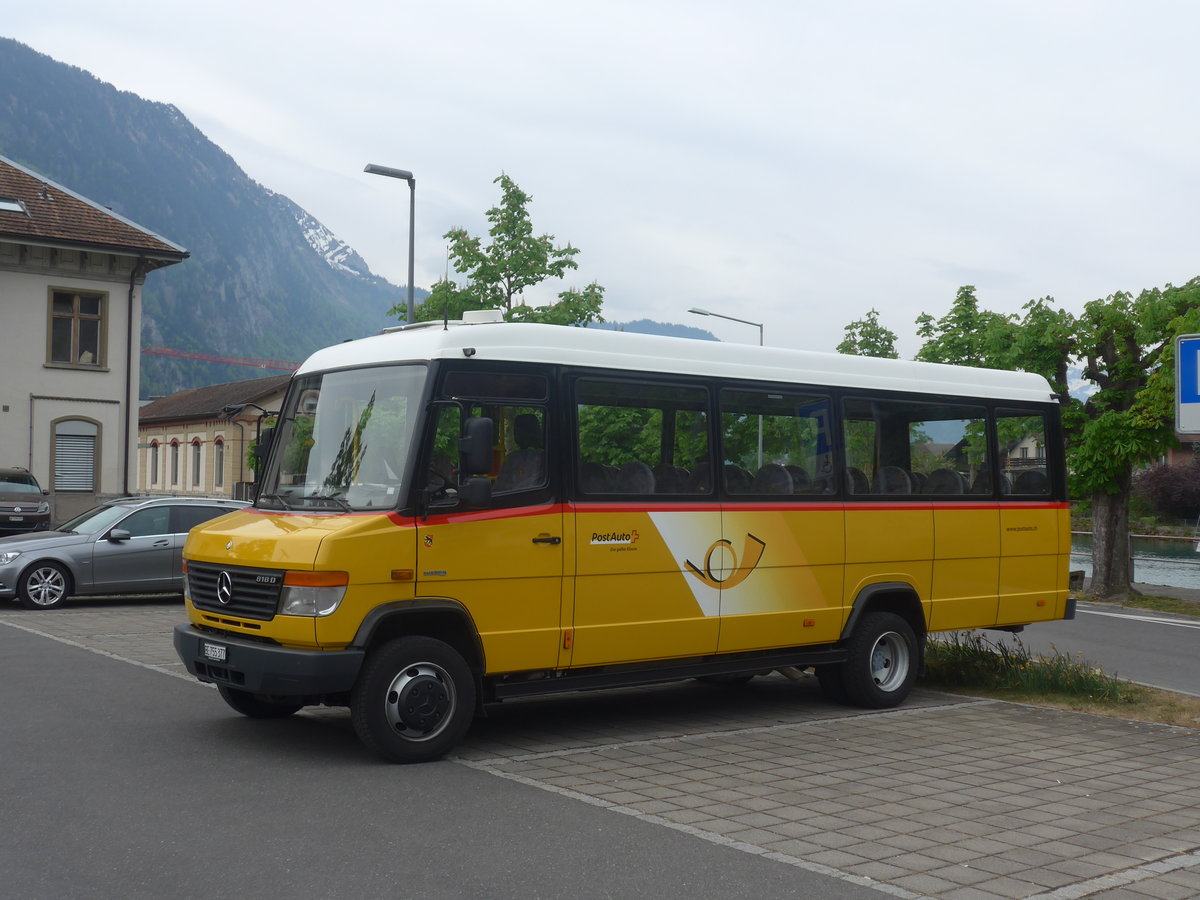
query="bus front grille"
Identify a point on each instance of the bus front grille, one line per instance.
(252, 593)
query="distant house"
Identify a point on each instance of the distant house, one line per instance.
(71, 275)
(195, 441)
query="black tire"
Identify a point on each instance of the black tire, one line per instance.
(414, 700)
(44, 585)
(255, 707)
(881, 665)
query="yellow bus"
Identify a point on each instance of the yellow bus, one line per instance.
(453, 514)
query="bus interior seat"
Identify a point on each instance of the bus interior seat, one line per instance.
(593, 478)
(632, 478)
(737, 480)
(918, 482)
(801, 483)
(1031, 481)
(670, 479)
(982, 483)
(772, 479)
(699, 480)
(945, 481)
(891, 480)
(856, 481)
(524, 467)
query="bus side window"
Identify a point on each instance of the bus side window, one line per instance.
(913, 447)
(1022, 453)
(775, 443)
(641, 439)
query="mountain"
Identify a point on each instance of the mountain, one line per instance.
(649, 326)
(265, 279)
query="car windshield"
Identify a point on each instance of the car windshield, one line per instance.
(98, 518)
(18, 484)
(343, 440)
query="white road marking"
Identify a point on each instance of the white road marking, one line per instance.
(1137, 618)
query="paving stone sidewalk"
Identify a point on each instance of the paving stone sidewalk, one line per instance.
(947, 797)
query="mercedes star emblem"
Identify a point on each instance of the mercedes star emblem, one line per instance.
(224, 588)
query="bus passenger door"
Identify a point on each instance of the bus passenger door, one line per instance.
(646, 518)
(641, 592)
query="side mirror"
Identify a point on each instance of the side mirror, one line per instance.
(263, 446)
(476, 493)
(117, 535)
(475, 445)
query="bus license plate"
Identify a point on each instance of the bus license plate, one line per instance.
(215, 652)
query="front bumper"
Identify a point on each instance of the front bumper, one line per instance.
(265, 668)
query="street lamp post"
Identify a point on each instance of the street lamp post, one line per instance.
(405, 175)
(231, 412)
(758, 325)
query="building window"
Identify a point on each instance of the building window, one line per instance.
(75, 442)
(218, 463)
(174, 463)
(77, 328)
(154, 463)
(196, 463)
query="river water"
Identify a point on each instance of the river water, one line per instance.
(1171, 561)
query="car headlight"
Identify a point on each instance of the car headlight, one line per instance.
(312, 593)
(44, 508)
(8, 556)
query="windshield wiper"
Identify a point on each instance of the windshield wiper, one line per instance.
(346, 507)
(278, 498)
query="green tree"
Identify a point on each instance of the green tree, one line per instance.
(496, 274)
(961, 336)
(866, 337)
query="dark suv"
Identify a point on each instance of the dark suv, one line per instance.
(23, 503)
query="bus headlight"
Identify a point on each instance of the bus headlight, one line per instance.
(312, 593)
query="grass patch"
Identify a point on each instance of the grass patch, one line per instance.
(974, 660)
(1005, 669)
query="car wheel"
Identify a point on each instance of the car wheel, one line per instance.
(254, 707)
(881, 663)
(44, 585)
(414, 700)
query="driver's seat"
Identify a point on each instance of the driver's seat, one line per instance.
(525, 467)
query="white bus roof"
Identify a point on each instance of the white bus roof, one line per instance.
(627, 352)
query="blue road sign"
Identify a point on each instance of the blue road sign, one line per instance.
(1187, 384)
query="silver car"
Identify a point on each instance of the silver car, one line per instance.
(132, 545)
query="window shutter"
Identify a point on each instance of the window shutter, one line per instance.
(74, 462)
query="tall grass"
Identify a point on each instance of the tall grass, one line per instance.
(977, 661)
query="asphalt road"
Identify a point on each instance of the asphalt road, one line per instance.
(120, 781)
(1151, 648)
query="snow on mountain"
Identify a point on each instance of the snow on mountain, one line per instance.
(336, 252)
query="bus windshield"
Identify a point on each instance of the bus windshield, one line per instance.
(343, 440)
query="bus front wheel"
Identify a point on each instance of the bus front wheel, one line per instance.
(414, 700)
(881, 662)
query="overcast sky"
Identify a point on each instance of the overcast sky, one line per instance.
(792, 163)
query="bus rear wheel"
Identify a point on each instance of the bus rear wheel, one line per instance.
(414, 700)
(881, 663)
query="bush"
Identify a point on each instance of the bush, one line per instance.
(1173, 492)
